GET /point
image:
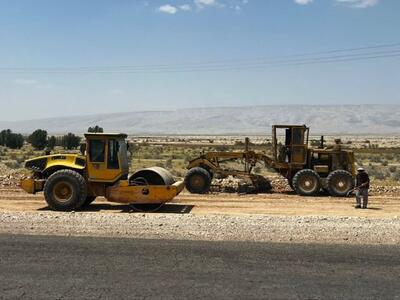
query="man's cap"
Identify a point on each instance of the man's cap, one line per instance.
(360, 169)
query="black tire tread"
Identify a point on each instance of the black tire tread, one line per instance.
(81, 194)
(330, 177)
(301, 173)
(198, 171)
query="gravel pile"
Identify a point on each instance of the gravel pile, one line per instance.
(393, 190)
(229, 184)
(349, 230)
(10, 177)
(280, 185)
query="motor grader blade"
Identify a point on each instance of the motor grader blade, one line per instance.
(122, 192)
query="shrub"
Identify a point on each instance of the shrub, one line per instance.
(160, 164)
(389, 156)
(95, 129)
(51, 142)
(168, 163)
(379, 175)
(70, 141)
(396, 176)
(12, 164)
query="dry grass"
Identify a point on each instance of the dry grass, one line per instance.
(379, 155)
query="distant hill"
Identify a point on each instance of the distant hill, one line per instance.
(343, 119)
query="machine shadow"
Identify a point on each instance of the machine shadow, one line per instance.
(165, 209)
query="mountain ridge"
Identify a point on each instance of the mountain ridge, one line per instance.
(326, 119)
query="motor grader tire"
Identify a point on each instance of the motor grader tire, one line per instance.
(198, 181)
(306, 182)
(290, 182)
(65, 190)
(339, 183)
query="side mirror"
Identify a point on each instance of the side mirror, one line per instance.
(82, 148)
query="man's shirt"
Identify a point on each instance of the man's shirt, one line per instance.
(362, 178)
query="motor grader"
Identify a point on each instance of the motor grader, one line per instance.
(72, 181)
(307, 169)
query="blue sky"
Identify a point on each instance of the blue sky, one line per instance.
(43, 35)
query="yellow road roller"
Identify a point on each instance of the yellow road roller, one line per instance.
(72, 181)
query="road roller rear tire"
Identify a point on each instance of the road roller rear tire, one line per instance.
(65, 190)
(339, 183)
(306, 182)
(198, 181)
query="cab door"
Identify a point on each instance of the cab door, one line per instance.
(299, 145)
(103, 162)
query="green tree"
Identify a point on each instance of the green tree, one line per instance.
(70, 141)
(15, 141)
(51, 142)
(95, 129)
(11, 140)
(4, 134)
(38, 139)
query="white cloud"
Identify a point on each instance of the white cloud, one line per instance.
(359, 3)
(168, 9)
(303, 2)
(204, 3)
(185, 7)
(26, 81)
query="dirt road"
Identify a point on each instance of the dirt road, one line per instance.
(381, 206)
(219, 217)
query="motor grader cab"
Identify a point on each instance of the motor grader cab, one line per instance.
(71, 181)
(293, 150)
(310, 169)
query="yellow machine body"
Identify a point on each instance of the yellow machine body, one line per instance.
(125, 193)
(105, 168)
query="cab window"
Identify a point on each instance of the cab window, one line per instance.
(97, 150)
(113, 148)
(298, 136)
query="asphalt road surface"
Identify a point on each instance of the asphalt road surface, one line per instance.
(91, 268)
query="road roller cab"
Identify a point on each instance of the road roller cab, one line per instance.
(71, 181)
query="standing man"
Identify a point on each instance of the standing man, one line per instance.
(362, 186)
